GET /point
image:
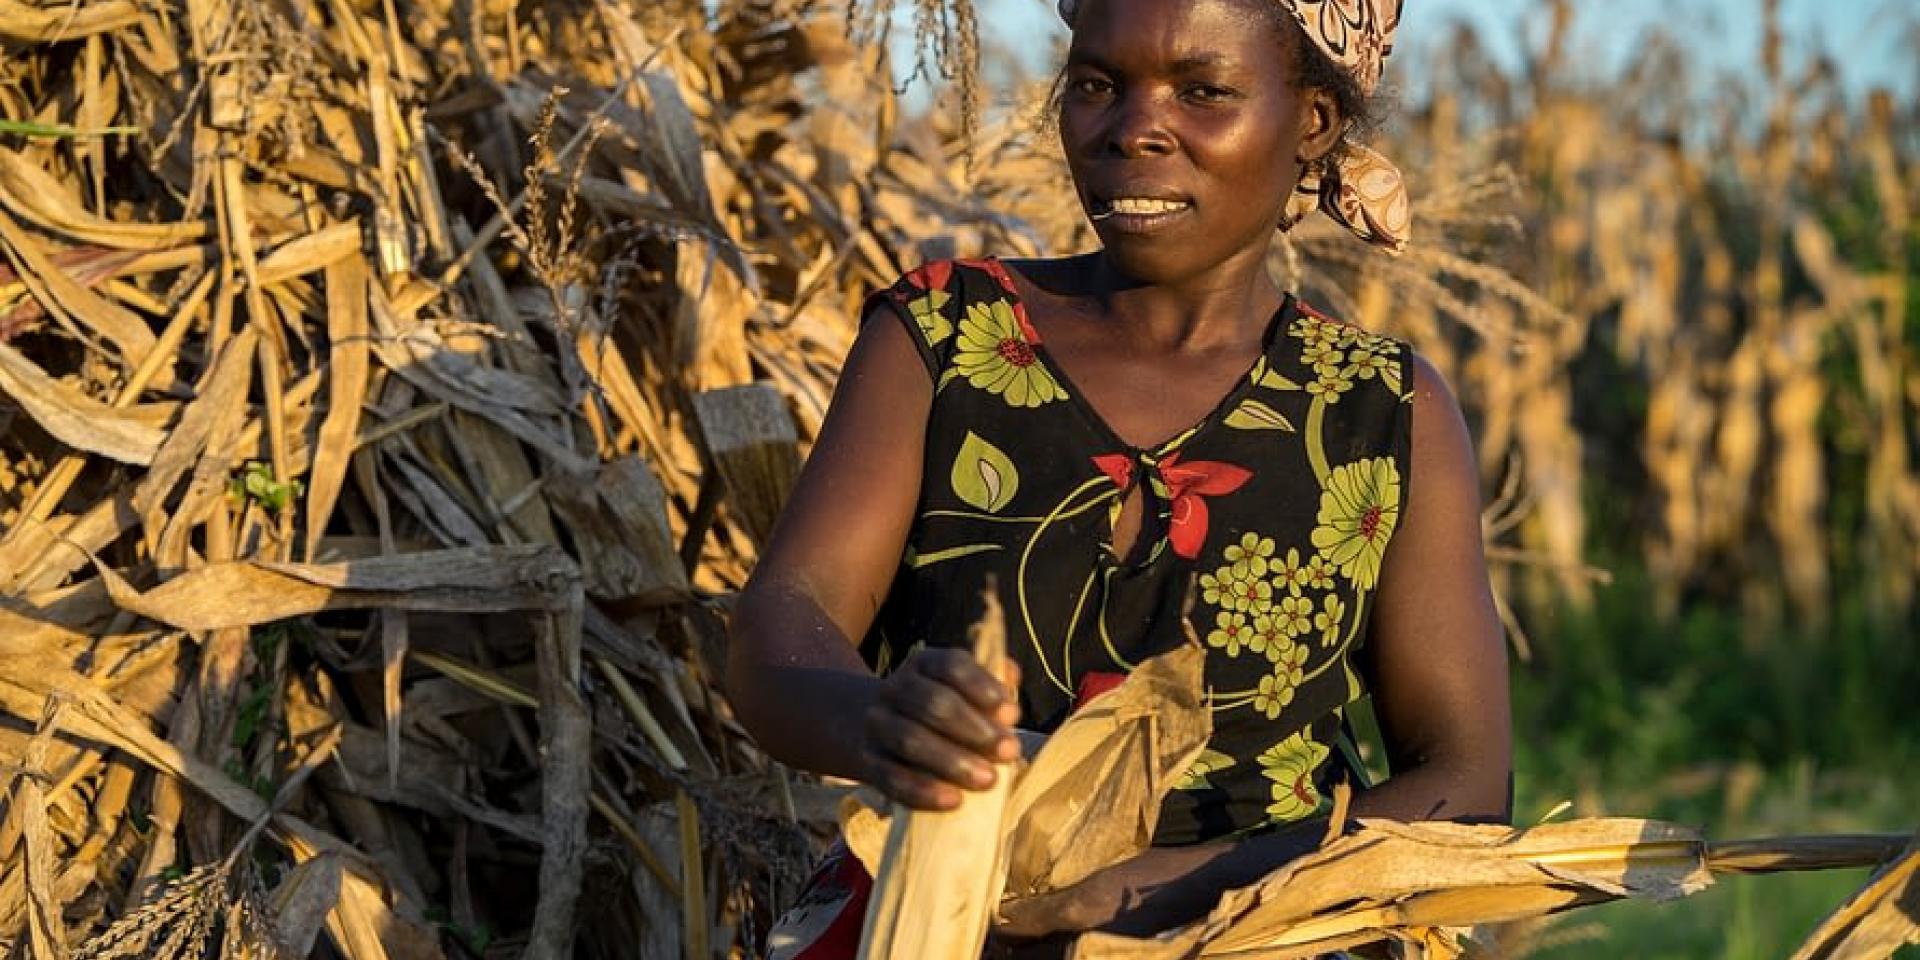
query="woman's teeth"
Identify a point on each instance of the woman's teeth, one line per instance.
(1142, 206)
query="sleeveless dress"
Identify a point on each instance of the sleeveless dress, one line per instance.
(1274, 512)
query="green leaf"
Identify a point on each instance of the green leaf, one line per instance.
(983, 477)
(1254, 415)
(1266, 376)
(57, 131)
(918, 560)
(257, 483)
(1210, 762)
(927, 313)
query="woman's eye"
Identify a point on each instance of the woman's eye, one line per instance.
(1091, 86)
(1208, 93)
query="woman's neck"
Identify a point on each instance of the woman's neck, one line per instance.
(1216, 307)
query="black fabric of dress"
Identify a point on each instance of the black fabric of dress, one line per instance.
(1276, 510)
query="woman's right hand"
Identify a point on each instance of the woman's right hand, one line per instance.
(937, 726)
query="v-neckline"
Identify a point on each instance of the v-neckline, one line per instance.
(1091, 415)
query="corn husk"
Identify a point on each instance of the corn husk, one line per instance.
(940, 873)
(1883, 917)
(1422, 887)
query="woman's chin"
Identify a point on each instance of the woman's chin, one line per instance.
(1159, 259)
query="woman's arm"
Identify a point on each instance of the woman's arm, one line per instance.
(794, 675)
(1436, 658)
(1437, 667)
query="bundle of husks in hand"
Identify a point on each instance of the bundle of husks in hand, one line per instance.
(1090, 797)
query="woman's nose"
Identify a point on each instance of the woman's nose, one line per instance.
(1139, 126)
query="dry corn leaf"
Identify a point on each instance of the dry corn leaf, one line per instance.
(72, 417)
(244, 593)
(619, 520)
(301, 903)
(47, 931)
(216, 412)
(61, 295)
(34, 24)
(1091, 797)
(364, 923)
(1874, 923)
(348, 371)
(941, 872)
(318, 250)
(750, 435)
(1387, 865)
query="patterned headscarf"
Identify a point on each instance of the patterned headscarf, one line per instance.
(1359, 188)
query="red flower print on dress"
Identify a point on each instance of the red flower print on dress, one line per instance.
(1118, 467)
(998, 272)
(932, 276)
(1187, 485)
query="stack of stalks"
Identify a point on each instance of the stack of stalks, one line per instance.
(390, 396)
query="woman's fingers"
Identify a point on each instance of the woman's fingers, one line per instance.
(904, 740)
(957, 669)
(940, 724)
(911, 787)
(945, 710)
(991, 697)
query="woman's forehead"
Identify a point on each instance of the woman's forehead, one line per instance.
(1181, 32)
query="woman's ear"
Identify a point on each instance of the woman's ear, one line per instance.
(1322, 124)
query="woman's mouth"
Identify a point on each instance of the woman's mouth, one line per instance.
(1138, 214)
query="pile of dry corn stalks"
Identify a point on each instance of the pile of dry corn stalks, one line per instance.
(390, 398)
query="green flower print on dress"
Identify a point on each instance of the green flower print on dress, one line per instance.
(1295, 615)
(1342, 354)
(1359, 507)
(1270, 634)
(1290, 765)
(994, 356)
(1329, 620)
(1231, 632)
(1210, 762)
(1318, 572)
(1250, 557)
(1289, 573)
(1240, 584)
(1330, 382)
(1276, 689)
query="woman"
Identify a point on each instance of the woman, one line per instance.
(1102, 435)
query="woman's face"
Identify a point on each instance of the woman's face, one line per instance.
(1184, 129)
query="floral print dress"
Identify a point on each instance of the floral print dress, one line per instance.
(1276, 510)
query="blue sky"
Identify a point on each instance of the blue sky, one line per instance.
(1877, 34)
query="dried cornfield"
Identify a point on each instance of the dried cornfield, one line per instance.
(394, 392)
(1733, 287)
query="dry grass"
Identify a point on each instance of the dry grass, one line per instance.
(394, 393)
